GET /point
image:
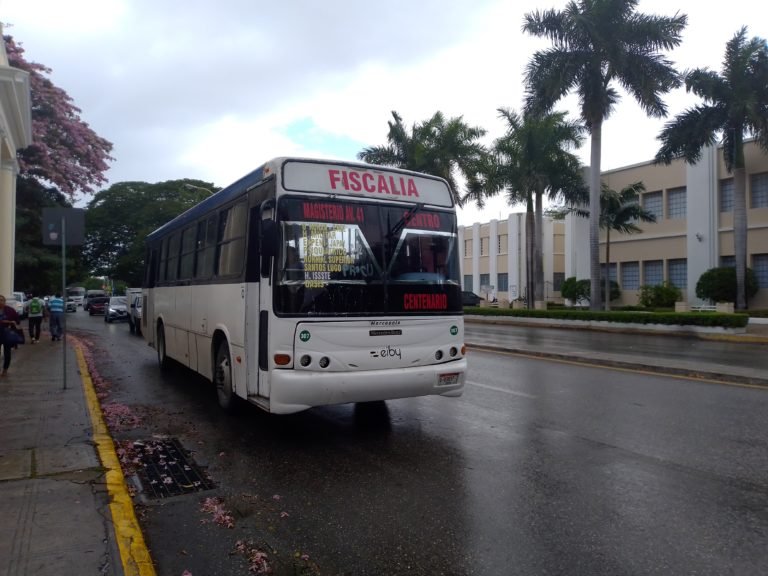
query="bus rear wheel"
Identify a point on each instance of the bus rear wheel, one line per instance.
(162, 358)
(222, 377)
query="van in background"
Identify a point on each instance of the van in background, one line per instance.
(77, 293)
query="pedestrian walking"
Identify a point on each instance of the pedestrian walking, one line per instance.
(9, 323)
(35, 311)
(56, 315)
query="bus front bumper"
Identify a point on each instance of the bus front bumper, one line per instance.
(297, 390)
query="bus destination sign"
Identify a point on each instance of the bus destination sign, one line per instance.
(303, 176)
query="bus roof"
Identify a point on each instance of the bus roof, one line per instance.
(337, 177)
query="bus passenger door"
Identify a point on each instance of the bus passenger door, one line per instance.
(253, 289)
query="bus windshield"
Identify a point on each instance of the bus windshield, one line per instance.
(346, 257)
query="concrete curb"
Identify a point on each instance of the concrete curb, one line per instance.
(130, 540)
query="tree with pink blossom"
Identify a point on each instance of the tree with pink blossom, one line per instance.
(65, 151)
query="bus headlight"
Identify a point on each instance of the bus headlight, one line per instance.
(453, 351)
(439, 355)
(324, 361)
(306, 360)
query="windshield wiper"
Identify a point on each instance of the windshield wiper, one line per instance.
(395, 230)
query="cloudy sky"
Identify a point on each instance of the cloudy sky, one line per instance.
(210, 90)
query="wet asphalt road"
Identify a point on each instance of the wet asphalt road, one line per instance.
(540, 468)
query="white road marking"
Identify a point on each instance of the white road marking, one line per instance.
(513, 392)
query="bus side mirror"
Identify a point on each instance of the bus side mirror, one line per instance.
(269, 244)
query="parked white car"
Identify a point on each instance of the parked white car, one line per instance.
(117, 309)
(20, 304)
(16, 305)
(134, 314)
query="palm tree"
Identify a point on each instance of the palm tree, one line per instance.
(532, 159)
(620, 211)
(735, 104)
(597, 43)
(436, 146)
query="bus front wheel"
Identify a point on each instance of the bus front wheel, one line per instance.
(223, 377)
(162, 358)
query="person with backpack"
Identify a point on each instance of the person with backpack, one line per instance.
(56, 312)
(35, 311)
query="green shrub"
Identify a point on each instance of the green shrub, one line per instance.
(719, 284)
(669, 318)
(575, 290)
(580, 290)
(662, 295)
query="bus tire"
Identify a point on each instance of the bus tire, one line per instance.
(162, 357)
(222, 377)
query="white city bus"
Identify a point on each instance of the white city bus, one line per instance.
(309, 282)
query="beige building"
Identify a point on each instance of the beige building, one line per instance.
(693, 232)
(15, 133)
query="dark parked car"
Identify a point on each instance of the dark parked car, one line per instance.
(117, 309)
(97, 305)
(469, 298)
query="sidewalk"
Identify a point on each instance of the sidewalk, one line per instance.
(54, 507)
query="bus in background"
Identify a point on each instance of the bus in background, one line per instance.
(76, 294)
(310, 282)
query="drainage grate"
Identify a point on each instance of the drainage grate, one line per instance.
(164, 468)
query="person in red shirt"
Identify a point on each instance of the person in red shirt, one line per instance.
(9, 321)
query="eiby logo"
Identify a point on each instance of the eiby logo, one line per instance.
(387, 352)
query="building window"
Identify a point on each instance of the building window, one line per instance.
(630, 276)
(726, 195)
(467, 248)
(557, 280)
(503, 280)
(468, 282)
(676, 203)
(760, 268)
(502, 244)
(653, 272)
(759, 188)
(727, 261)
(678, 272)
(485, 281)
(483, 246)
(653, 203)
(612, 271)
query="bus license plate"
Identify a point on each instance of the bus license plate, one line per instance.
(448, 379)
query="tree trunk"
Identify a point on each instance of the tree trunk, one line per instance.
(538, 245)
(740, 231)
(595, 302)
(530, 228)
(607, 269)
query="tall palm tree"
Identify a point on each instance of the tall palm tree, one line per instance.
(735, 105)
(436, 146)
(597, 43)
(533, 159)
(620, 211)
